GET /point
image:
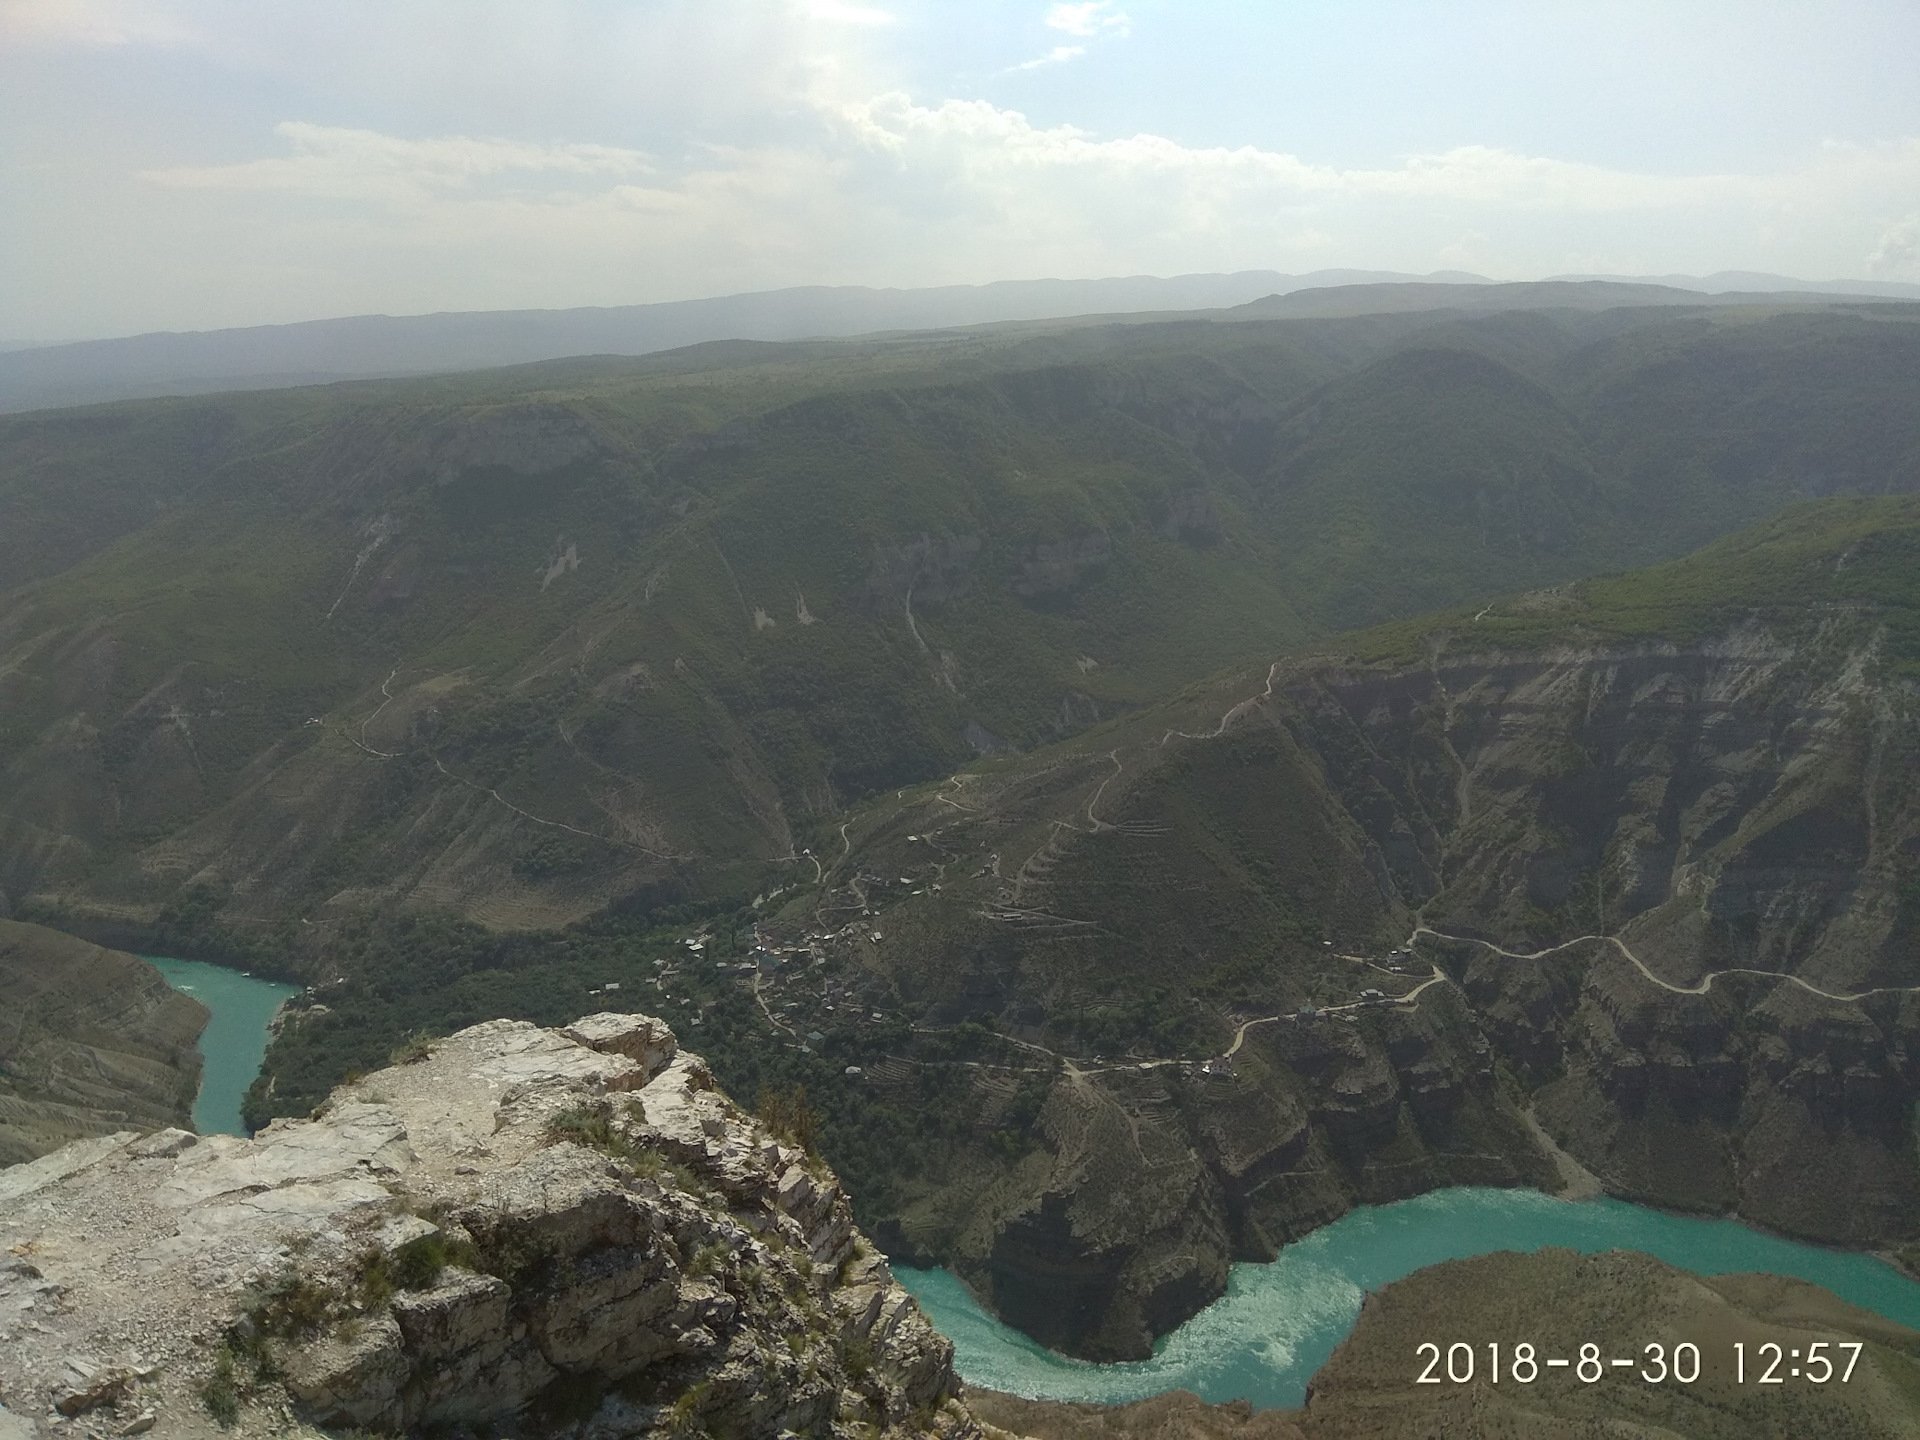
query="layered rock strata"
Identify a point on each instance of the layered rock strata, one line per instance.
(95, 1042)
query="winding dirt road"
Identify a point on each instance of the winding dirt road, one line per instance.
(1701, 988)
(1410, 998)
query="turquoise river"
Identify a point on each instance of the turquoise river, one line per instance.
(235, 1040)
(1277, 1323)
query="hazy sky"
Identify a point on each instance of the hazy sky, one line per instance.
(185, 164)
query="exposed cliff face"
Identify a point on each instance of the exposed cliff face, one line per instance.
(563, 1231)
(1740, 806)
(1146, 1185)
(1744, 801)
(95, 1042)
(1651, 906)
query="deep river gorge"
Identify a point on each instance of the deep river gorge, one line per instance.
(1278, 1322)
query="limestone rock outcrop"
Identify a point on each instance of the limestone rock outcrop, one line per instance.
(535, 1231)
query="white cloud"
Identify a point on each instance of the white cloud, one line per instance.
(1089, 18)
(842, 12)
(364, 164)
(985, 139)
(1059, 55)
(890, 191)
(1470, 250)
(1898, 250)
(92, 23)
(775, 150)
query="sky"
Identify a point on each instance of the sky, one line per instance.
(193, 164)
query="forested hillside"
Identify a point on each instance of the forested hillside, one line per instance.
(525, 644)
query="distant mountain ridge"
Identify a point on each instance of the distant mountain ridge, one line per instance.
(270, 357)
(361, 347)
(1597, 292)
(1761, 282)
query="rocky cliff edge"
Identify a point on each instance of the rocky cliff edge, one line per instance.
(512, 1231)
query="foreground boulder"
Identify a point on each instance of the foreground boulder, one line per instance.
(516, 1229)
